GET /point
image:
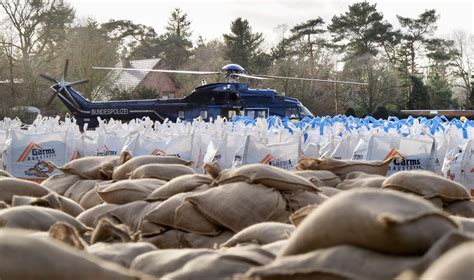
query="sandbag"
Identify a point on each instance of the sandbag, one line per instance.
(66, 234)
(51, 200)
(181, 184)
(92, 167)
(297, 200)
(125, 191)
(91, 216)
(467, 224)
(436, 201)
(131, 214)
(170, 239)
(384, 221)
(239, 205)
(300, 214)
(210, 242)
(221, 266)
(27, 257)
(338, 262)
(457, 263)
(120, 253)
(355, 180)
(36, 218)
(79, 189)
(161, 262)
(12, 186)
(267, 175)
(426, 184)
(320, 177)
(120, 172)
(161, 171)
(176, 213)
(343, 167)
(464, 208)
(329, 192)
(4, 173)
(261, 234)
(90, 199)
(60, 182)
(108, 231)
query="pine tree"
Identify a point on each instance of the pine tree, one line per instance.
(419, 99)
(176, 43)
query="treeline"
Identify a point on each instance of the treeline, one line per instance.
(406, 68)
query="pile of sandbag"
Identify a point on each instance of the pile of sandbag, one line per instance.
(153, 216)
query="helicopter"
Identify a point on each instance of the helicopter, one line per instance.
(208, 101)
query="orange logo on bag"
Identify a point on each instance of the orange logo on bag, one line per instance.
(394, 153)
(267, 159)
(34, 151)
(41, 169)
(158, 152)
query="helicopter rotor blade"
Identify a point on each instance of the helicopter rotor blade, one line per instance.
(50, 100)
(315, 80)
(66, 66)
(158, 70)
(80, 82)
(49, 78)
(250, 76)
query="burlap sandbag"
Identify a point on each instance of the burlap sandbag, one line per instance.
(12, 186)
(351, 262)
(436, 201)
(161, 262)
(111, 232)
(61, 182)
(463, 208)
(239, 205)
(274, 247)
(261, 234)
(355, 180)
(297, 200)
(457, 263)
(92, 167)
(170, 239)
(51, 200)
(161, 171)
(27, 257)
(90, 199)
(4, 173)
(120, 253)
(36, 218)
(121, 171)
(267, 175)
(384, 221)
(125, 191)
(300, 214)
(181, 184)
(176, 213)
(320, 177)
(343, 167)
(329, 192)
(222, 265)
(210, 242)
(91, 216)
(131, 214)
(467, 224)
(79, 189)
(4, 205)
(426, 184)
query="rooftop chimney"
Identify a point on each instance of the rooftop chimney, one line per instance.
(125, 62)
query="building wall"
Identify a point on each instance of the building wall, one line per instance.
(164, 85)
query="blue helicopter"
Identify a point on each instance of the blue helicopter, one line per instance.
(208, 101)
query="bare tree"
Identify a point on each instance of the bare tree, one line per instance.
(463, 62)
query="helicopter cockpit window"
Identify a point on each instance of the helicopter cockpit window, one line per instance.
(292, 113)
(304, 112)
(250, 114)
(261, 114)
(181, 114)
(203, 115)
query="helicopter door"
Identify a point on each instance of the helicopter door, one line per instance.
(256, 112)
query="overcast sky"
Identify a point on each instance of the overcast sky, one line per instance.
(212, 18)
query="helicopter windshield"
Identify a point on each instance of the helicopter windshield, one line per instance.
(304, 112)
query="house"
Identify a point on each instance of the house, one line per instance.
(122, 84)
